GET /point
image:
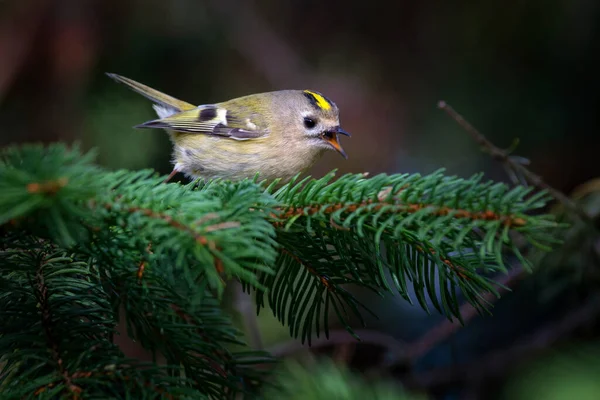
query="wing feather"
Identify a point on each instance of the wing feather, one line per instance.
(212, 119)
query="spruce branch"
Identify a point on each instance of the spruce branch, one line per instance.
(444, 235)
(77, 317)
(56, 325)
(196, 234)
(516, 168)
(225, 240)
(161, 254)
(43, 300)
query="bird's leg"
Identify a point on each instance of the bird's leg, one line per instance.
(171, 175)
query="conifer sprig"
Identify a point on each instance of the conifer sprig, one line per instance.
(442, 235)
(56, 328)
(80, 245)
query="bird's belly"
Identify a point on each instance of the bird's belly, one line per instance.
(203, 156)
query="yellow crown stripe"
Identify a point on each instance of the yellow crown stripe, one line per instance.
(321, 102)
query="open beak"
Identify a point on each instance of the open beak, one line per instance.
(332, 138)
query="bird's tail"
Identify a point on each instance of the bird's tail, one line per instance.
(165, 104)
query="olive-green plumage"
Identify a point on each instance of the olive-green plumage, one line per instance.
(277, 134)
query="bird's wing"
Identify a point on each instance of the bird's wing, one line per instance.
(213, 119)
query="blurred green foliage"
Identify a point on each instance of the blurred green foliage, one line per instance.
(325, 380)
(107, 121)
(568, 373)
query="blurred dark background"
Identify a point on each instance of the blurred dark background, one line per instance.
(522, 70)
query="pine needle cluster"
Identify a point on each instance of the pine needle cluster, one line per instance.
(82, 247)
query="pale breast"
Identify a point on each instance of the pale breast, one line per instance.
(214, 157)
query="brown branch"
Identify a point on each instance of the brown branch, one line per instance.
(487, 215)
(169, 220)
(458, 269)
(344, 353)
(48, 187)
(395, 347)
(199, 238)
(501, 360)
(505, 158)
(143, 264)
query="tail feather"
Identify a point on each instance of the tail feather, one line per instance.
(165, 101)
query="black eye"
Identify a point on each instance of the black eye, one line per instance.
(309, 122)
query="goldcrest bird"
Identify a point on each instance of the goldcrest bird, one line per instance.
(275, 134)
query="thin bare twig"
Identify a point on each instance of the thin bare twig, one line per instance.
(341, 337)
(497, 362)
(509, 161)
(442, 331)
(343, 353)
(445, 329)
